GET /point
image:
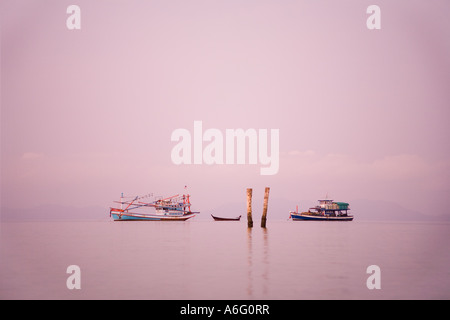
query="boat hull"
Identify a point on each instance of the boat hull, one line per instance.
(149, 217)
(307, 217)
(226, 219)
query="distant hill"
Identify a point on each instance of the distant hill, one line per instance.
(363, 209)
(278, 209)
(389, 211)
(53, 212)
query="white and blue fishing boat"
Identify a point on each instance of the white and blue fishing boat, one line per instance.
(327, 210)
(174, 208)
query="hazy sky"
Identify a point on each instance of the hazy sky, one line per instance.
(87, 114)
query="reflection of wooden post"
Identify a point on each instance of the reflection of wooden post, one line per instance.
(264, 215)
(249, 208)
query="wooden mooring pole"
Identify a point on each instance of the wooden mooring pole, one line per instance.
(266, 201)
(249, 208)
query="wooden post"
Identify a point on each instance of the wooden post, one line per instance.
(264, 215)
(249, 208)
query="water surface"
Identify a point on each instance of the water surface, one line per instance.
(224, 260)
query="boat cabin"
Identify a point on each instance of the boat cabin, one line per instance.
(331, 208)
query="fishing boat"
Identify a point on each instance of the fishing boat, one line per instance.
(225, 219)
(174, 208)
(327, 210)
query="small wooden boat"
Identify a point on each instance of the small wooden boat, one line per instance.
(226, 219)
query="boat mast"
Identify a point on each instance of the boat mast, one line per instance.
(188, 203)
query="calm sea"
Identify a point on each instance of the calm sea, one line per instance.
(224, 260)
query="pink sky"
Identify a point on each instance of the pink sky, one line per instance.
(87, 114)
